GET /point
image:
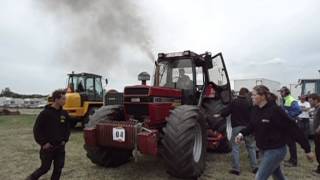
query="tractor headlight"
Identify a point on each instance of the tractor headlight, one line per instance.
(186, 53)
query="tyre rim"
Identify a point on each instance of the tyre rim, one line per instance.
(197, 147)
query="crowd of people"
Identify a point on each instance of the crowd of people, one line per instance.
(267, 124)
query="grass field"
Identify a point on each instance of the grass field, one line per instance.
(19, 157)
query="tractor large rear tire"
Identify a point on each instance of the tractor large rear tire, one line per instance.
(105, 156)
(185, 142)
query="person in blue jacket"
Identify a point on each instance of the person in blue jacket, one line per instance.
(292, 108)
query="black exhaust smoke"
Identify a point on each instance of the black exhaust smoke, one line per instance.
(95, 31)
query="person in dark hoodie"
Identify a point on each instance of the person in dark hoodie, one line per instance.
(51, 132)
(240, 109)
(271, 126)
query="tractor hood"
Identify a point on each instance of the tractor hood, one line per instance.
(141, 90)
(148, 101)
(72, 100)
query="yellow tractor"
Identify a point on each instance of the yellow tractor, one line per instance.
(84, 95)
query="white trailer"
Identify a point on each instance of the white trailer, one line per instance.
(274, 86)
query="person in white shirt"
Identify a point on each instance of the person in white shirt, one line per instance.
(304, 117)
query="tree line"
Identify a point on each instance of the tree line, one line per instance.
(6, 92)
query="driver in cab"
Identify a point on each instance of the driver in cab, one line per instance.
(184, 81)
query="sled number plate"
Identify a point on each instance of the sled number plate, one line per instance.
(118, 134)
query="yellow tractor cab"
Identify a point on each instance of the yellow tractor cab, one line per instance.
(84, 95)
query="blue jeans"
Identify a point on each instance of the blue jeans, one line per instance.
(251, 148)
(270, 164)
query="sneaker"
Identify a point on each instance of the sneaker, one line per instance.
(317, 171)
(255, 170)
(235, 172)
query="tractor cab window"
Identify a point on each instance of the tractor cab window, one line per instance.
(309, 88)
(176, 74)
(70, 84)
(219, 78)
(80, 85)
(90, 85)
(217, 73)
(76, 83)
(99, 90)
(90, 92)
(200, 76)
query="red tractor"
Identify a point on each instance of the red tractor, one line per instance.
(173, 118)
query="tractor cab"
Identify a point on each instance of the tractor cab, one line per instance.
(89, 86)
(309, 86)
(197, 76)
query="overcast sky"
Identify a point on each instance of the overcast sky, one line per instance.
(259, 39)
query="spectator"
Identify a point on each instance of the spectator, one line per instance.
(315, 102)
(292, 108)
(51, 132)
(304, 118)
(270, 125)
(240, 116)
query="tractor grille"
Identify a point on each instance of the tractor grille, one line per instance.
(114, 99)
(141, 99)
(136, 91)
(137, 109)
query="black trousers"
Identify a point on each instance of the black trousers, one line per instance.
(304, 125)
(55, 155)
(293, 151)
(317, 148)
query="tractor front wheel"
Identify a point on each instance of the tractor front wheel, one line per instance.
(106, 156)
(185, 142)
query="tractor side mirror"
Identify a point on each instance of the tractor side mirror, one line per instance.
(144, 77)
(107, 81)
